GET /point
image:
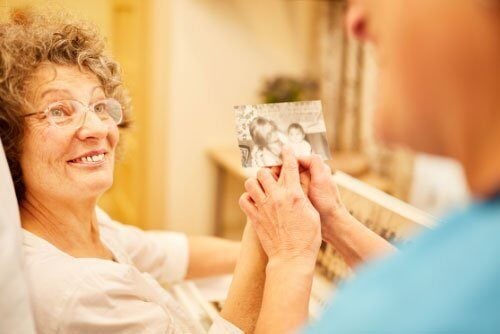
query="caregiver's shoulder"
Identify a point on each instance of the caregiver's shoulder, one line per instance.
(448, 278)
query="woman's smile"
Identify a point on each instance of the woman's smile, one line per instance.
(90, 159)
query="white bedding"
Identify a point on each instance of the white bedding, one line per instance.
(15, 312)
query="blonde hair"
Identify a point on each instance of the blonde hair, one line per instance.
(29, 40)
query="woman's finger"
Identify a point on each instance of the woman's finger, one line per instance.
(253, 188)
(248, 207)
(267, 180)
(305, 181)
(305, 161)
(290, 168)
(275, 171)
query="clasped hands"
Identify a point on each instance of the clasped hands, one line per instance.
(293, 207)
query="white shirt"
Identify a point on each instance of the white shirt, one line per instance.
(90, 295)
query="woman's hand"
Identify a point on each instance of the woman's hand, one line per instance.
(285, 221)
(289, 231)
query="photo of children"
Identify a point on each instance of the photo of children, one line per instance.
(297, 138)
(263, 129)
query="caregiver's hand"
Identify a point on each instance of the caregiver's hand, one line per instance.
(324, 195)
(350, 237)
(285, 221)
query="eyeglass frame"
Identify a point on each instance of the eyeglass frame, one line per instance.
(86, 107)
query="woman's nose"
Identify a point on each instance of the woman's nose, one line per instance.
(92, 127)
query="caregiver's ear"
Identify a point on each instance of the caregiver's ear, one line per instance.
(356, 19)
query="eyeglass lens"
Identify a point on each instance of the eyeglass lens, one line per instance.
(71, 113)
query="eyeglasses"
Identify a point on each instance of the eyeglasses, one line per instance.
(72, 113)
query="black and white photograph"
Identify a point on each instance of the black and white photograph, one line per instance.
(264, 129)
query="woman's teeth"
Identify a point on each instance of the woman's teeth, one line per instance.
(93, 158)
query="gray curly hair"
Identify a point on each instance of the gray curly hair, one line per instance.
(29, 40)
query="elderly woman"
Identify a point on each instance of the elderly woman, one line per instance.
(438, 90)
(62, 103)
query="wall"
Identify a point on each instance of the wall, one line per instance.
(219, 53)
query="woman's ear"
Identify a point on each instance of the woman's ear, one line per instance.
(356, 20)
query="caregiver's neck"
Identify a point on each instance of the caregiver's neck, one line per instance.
(483, 172)
(70, 226)
(480, 157)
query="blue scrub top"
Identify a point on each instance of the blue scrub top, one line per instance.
(446, 281)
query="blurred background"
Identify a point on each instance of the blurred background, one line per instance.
(188, 62)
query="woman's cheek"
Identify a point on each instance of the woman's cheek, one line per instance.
(35, 158)
(114, 136)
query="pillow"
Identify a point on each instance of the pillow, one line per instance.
(15, 312)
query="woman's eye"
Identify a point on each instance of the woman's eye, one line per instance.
(60, 111)
(56, 113)
(100, 108)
